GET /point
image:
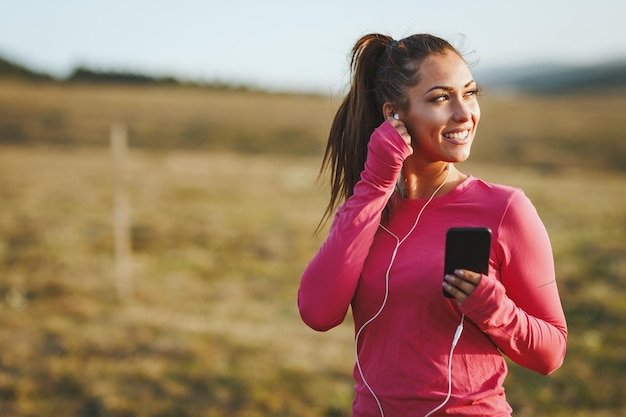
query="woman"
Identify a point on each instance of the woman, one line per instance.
(411, 113)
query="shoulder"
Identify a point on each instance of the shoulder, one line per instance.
(493, 192)
(502, 201)
(492, 188)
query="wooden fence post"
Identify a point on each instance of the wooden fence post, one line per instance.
(121, 213)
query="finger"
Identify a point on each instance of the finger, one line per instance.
(458, 295)
(402, 130)
(469, 276)
(460, 288)
(458, 285)
(394, 118)
(400, 127)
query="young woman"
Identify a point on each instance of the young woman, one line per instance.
(410, 115)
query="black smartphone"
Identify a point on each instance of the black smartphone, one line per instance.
(467, 248)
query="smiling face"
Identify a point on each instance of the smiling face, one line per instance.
(442, 110)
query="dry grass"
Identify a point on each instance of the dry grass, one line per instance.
(220, 239)
(162, 117)
(217, 260)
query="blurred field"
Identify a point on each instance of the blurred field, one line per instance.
(224, 205)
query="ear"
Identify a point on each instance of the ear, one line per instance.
(389, 109)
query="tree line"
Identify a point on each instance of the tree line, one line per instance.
(82, 74)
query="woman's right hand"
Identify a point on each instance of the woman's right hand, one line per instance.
(401, 128)
(388, 148)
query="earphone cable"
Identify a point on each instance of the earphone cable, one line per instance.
(387, 274)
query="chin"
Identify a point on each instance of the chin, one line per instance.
(460, 156)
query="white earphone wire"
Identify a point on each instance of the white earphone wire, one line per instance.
(393, 257)
(457, 335)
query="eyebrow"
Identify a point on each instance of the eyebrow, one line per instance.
(442, 87)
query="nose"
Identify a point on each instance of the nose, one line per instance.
(462, 111)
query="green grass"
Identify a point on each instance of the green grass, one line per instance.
(220, 239)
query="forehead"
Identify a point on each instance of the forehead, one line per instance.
(446, 70)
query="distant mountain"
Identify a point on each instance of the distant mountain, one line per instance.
(557, 78)
(11, 69)
(14, 70)
(83, 74)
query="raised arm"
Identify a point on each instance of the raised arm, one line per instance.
(328, 283)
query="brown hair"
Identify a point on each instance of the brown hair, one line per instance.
(382, 70)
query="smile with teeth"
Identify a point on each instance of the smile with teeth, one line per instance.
(457, 135)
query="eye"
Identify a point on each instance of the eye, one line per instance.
(473, 92)
(440, 98)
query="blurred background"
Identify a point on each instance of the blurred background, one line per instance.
(159, 195)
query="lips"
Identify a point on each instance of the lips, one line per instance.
(459, 137)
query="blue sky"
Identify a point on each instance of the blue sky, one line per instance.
(296, 44)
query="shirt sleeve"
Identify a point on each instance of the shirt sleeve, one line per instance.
(522, 313)
(328, 283)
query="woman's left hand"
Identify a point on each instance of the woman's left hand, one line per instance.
(462, 284)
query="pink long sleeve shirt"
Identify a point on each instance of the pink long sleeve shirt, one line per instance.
(515, 310)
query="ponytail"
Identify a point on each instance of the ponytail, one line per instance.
(355, 120)
(381, 71)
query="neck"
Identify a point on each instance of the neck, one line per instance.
(422, 183)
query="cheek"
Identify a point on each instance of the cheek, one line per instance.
(425, 121)
(476, 113)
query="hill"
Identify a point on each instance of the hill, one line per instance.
(550, 79)
(11, 69)
(81, 74)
